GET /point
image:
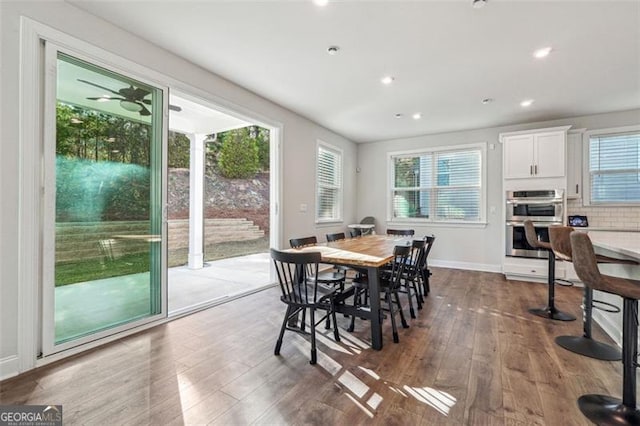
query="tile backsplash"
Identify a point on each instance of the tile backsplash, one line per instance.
(607, 217)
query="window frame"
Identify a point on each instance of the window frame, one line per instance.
(481, 147)
(586, 171)
(340, 198)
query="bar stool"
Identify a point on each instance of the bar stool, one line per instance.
(550, 311)
(560, 239)
(604, 409)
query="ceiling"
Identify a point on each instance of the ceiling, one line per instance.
(445, 57)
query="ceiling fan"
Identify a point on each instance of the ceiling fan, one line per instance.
(131, 98)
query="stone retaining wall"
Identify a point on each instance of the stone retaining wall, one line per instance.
(97, 240)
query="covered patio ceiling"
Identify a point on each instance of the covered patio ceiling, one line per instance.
(97, 89)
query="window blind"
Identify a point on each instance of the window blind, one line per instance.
(441, 185)
(329, 185)
(614, 168)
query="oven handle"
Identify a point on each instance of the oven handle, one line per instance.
(521, 201)
(538, 224)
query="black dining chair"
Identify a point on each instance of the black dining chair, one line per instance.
(412, 273)
(390, 283)
(335, 237)
(401, 232)
(426, 272)
(301, 291)
(333, 277)
(355, 232)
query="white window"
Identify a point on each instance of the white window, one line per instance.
(442, 185)
(613, 164)
(328, 184)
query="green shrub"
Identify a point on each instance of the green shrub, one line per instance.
(238, 158)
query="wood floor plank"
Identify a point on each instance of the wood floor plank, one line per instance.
(474, 356)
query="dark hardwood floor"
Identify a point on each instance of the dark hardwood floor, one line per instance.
(473, 356)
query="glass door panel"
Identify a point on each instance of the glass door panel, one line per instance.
(108, 212)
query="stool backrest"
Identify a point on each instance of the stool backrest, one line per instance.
(560, 239)
(584, 261)
(530, 233)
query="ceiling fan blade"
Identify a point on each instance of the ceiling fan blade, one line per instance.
(140, 93)
(100, 87)
(133, 93)
(144, 111)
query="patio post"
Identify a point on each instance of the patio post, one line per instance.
(196, 201)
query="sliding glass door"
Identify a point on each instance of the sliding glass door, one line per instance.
(103, 249)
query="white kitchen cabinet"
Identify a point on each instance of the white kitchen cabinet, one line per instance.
(574, 164)
(535, 153)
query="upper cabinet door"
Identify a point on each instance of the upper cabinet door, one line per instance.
(549, 155)
(574, 164)
(535, 154)
(518, 156)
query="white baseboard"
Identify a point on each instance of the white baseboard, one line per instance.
(8, 367)
(484, 267)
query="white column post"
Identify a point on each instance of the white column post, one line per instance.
(196, 201)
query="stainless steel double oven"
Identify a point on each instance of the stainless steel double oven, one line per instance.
(543, 207)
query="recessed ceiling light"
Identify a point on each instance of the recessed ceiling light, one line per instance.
(104, 98)
(332, 50)
(479, 4)
(321, 3)
(387, 79)
(526, 103)
(486, 101)
(542, 53)
(417, 116)
(398, 115)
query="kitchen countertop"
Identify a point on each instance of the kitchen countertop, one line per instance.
(625, 243)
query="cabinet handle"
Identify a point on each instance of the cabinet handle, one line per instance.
(576, 188)
(530, 170)
(535, 169)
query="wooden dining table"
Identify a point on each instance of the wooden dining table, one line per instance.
(370, 253)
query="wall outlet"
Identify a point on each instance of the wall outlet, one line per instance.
(303, 208)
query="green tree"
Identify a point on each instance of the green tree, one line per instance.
(238, 157)
(179, 146)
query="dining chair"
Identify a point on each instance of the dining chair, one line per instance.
(390, 283)
(301, 291)
(335, 237)
(412, 273)
(426, 272)
(401, 232)
(355, 232)
(333, 276)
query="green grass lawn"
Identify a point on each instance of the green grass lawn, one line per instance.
(95, 269)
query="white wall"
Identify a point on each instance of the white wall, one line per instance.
(298, 148)
(472, 248)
